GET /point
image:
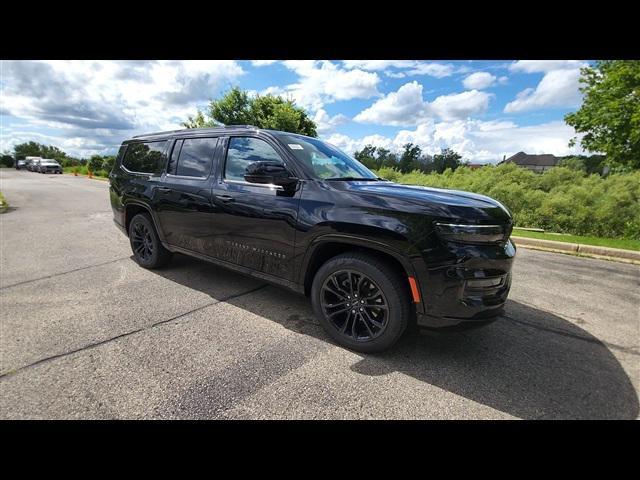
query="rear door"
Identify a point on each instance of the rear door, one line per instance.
(183, 198)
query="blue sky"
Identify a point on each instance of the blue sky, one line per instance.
(482, 109)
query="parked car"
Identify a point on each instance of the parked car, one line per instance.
(32, 163)
(372, 255)
(21, 164)
(48, 165)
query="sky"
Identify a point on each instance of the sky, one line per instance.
(484, 110)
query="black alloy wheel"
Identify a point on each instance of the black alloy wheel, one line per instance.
(355, 305)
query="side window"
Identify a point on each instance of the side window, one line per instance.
(145, 157)
(195, 156)
(243, 151)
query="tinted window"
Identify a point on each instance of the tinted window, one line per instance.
(145, 157)
(244, 151)
(196, 156)
(325, 159)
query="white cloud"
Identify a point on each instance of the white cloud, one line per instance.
(479, 81)
(544, 66)
(377, 65)
(437, 70)
(558, 88)
(410, 67)
(322, 82)
(404, 107)
(407, 107)
(98, 104)
(461, 105)
(326, 123)
(262, 63)
(475, 140)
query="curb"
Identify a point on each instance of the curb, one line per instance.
(616, 254)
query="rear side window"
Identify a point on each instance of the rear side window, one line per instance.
(145, 157)
(192, 157)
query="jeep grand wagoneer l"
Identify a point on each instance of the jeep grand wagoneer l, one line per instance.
(371, 254)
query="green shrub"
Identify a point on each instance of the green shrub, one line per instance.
(563, 199)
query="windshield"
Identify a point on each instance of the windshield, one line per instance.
(325, 160)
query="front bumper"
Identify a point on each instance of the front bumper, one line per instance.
(464, 284)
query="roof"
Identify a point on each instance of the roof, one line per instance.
(542, 160)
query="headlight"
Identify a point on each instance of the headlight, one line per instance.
(463, 233)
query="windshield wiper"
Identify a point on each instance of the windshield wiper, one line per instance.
(362, 179)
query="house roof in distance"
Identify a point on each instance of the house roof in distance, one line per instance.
(542, 160)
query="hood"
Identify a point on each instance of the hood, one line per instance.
(457, 201)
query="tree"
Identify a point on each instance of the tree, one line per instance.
(198, 121)
(447, 158)
(34, 149)
(7, 160)
(610, 113)
(387, 158)
(95, 163)
(409, 158)
(367, 156)
(236, 107)
(107, 162)
(28, 149)
(589, 164)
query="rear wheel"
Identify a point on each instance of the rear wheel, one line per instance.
(145, 243)
(361, 302)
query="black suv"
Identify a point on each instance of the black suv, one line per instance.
(293, 210)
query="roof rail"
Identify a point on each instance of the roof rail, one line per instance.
(167, 132)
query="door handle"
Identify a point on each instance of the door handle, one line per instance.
(225, 198)
(164, 189)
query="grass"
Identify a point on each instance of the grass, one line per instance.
(625, 244)
(3, 203)
(82, 170)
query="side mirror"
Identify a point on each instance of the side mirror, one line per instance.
(269, 172)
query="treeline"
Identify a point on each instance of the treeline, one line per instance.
(99, 165)
(562, 199)
(411, 158)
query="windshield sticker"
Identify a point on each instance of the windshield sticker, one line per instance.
(295, 146)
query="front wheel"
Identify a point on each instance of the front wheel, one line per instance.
(145, 243)
(361, 301)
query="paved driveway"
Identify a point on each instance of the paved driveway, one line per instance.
(86, 333)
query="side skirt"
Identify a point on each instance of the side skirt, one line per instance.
(238, 268)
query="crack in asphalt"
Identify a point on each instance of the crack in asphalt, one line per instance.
(53, 275)
(126, 334)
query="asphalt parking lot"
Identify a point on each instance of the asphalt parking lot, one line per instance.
(86, 333)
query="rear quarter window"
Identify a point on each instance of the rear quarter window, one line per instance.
(145, 157)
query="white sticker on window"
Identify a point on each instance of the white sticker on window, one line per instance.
(295, 146)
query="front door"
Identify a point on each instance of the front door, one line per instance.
(254, 224)
(183, 196)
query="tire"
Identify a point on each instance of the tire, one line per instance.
(147, 249)
(381, 292)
